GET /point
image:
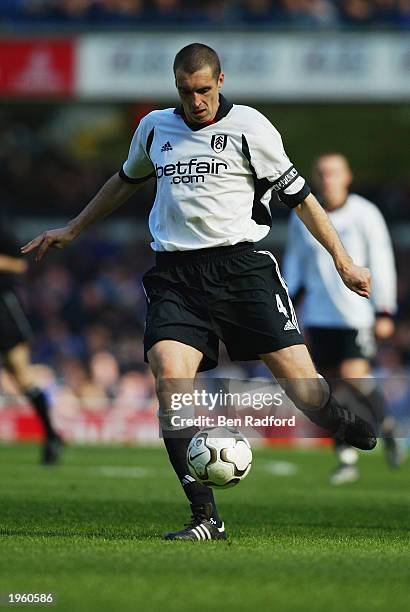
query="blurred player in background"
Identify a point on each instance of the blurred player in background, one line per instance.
(341, 327)
(15, 333)
(216, 165)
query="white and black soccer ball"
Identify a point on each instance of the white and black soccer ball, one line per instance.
(218, 457)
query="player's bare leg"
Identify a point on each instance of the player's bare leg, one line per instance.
(169, 361)
(17, 363)
(174, 366)
(294, 368)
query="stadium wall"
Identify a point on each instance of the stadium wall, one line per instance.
(321, 66)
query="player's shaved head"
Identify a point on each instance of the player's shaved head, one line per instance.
(195, 57)
(198, 78)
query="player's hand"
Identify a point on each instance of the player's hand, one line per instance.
(357, 279)
(384, 328)
(57, 239)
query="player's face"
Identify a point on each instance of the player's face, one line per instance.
(199, 93)
(332, 176)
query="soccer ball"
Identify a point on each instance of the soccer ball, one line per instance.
(218, 457)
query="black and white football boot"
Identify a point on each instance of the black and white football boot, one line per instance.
(344, 424)
(201, 527)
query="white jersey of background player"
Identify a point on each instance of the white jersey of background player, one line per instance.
(307, 265)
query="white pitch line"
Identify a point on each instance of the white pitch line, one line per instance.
(117, 471)
(281, 468)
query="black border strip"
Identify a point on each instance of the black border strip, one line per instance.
(134, 181)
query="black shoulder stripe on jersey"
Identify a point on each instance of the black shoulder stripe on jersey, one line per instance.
(260, 214)
(149, 141)
(294, 199)
(134, 181)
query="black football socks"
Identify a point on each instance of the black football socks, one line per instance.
(176, 443)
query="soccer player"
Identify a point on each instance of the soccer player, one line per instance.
(340, 326)
(216, 165)
(15, 333)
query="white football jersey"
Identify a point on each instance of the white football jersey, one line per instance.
(308, 266)
(214, 181)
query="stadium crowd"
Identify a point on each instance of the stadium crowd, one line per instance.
(286, 13)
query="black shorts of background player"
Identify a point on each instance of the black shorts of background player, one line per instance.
(15, 333)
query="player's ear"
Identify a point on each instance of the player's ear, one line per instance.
(221, 79)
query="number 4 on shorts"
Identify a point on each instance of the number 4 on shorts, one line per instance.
(280, 306)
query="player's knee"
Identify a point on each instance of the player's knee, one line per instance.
(168, 367)
(168, 363)
(167, 373)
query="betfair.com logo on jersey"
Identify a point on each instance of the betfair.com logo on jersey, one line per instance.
(192, 171)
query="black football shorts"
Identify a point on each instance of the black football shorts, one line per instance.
(235, 294)
(14, 326)
(329, 346)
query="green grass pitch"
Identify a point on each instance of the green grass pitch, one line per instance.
(90, 532)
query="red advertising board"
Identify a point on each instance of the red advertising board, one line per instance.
(21, 424)
(36, 67)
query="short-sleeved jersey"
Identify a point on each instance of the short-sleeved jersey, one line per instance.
(214, 181)
(307, 265)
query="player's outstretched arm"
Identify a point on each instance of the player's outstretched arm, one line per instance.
(319, 225)
(111, 195)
